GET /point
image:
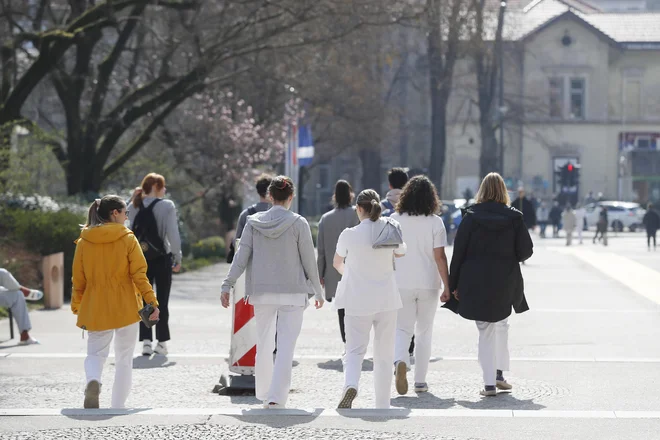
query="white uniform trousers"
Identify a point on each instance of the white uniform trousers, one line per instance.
(358, 329)
(273, 379)
(416, 317)
(98, 348)
(493, 349)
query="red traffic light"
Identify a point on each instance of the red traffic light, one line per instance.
(570, 167)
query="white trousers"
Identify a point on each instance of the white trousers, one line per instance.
(493, 349)
(12, 298)
(273, 379)
(98, 348)
(358, 329)
(416, 317)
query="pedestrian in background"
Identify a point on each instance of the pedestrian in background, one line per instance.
(555, 219)
(277, 251)
(542, 217)
(110, 285)
(397, 178)
(580, 220)
(651, 223)
(524, 205)
(155, 218)
(601, 226)
(569, 220)
(485, 277)
(262, 184)
(422, 276)
(369, 294)
(332, 224)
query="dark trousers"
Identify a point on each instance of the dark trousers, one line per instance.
(650, 235)
(160, 273)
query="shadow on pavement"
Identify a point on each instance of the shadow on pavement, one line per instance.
(502, 401)
(279, 418)
(157, 361)
(98, 414)
(423, 401)
(337, 365)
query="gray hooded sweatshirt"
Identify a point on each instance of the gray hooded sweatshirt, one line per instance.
(277, 251)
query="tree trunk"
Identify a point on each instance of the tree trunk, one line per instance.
(489, 158)
(438, 137)
(371, 169)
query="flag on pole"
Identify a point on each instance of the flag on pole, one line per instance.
(305, 146)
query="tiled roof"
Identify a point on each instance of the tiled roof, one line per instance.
(643, 27)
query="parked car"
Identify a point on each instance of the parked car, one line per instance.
(620, 215)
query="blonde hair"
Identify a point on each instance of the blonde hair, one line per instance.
(493, 189)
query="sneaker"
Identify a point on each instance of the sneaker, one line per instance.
(503, 385)
(421, 387)
(146, 349)
(161, 348)
(92, 394)
(29, 341)
(401, 380)
(347, 400)
(34, 295)
(488, 393)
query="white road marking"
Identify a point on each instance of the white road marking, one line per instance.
(322, 412)
(637, 277)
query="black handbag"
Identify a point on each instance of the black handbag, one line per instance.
(145, 313)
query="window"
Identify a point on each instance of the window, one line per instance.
(567, 97)
(633, 96)
(556, 97)
(577, 98)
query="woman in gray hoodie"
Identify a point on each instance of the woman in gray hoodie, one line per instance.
(277, 251)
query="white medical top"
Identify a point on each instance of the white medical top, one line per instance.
(368, 285)
(422, 234)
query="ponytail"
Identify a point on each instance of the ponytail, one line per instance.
(148, 183)
(99, 211)
(369, 201)
(376, 210)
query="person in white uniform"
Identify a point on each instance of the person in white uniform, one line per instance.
(421, 275)
(277, 251)
(370, 297)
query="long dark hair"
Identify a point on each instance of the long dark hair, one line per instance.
(419, 197)
(343, 196)
(369, 200)
(100, 210)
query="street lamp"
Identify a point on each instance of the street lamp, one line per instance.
(502, 108)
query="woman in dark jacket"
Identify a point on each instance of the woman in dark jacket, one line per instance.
(485, 276)
(652, 222)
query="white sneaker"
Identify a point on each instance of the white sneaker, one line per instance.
(146, 349)
(161, 348)
(34, 295)
(29, 341)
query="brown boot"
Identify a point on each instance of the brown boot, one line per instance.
(92, 394)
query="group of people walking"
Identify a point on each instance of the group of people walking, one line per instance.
(123, 250)
(392, 285)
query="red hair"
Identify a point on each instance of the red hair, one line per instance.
(150, 181)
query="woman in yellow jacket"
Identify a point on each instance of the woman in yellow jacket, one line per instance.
(109, 286)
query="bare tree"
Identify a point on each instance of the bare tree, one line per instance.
(120, 68)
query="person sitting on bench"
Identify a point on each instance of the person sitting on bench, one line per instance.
(13, 297)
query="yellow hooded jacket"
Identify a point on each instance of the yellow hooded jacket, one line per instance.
(109, 278)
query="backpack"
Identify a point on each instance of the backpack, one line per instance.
(145, 229)
(232, 249)
(388, 208)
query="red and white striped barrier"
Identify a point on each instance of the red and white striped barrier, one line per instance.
(243, 351)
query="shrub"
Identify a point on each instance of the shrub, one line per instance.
(45, 232)
(209, 248)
